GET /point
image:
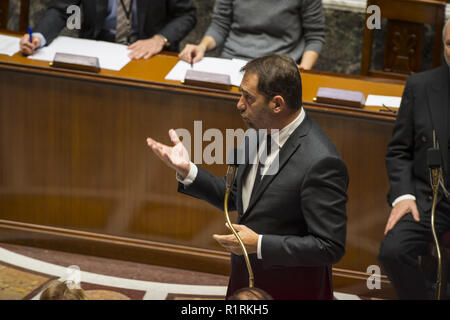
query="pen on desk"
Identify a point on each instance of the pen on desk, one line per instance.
(387, 109)
(30, 32)
(192, 60)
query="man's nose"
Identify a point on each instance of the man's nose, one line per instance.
(241, 105)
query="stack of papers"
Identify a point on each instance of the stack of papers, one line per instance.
(112, 56)
(9, 45)
(383, 101)
(215, 65)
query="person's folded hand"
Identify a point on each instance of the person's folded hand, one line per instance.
(27, 47)
(144, 49)
(192, 53)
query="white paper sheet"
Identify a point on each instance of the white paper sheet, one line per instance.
(208, 64)
(112, 56)
(378, 101)
(9, 45)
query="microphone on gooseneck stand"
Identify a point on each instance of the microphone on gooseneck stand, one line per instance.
(232, 162)
(235, 157)
(434, 165)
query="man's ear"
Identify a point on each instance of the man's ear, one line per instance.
(278, 104)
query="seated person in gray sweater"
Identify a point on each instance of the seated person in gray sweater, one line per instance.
(249, 29)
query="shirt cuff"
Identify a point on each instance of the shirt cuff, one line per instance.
(190, 178)
(258, 251)
(40, 36)
(403, 197)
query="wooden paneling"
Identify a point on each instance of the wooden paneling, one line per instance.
(404, 36)
(88, 141)
(4, 8)
(23, 17)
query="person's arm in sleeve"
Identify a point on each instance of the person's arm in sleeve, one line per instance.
(55, 19)
(215, 35)
(210, 188)
(48, 28)
(323, 198)
(220, 21)
(313, 24)
(400, 151)
(400, 162)
(182, 19)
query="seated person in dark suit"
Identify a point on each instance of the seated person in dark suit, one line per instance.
(293, 220)
(149, 26)
(424, 109)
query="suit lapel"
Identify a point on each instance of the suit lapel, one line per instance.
(285, 153)
(438, 104)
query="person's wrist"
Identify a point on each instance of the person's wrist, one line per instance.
(203, 47)
(162, 40)
(183, 172)
(304, 66)
(38, 42)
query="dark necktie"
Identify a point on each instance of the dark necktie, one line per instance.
(124, 16)
(260, 166)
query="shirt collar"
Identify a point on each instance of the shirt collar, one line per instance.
(290, 128)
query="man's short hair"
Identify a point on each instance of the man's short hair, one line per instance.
(277, 75)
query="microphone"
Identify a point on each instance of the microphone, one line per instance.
(232, 162)
(237, 156)
(233, 158)
(434, 165)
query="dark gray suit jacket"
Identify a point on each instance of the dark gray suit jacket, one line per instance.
(171, 18)
(300, 211)
(424, 108)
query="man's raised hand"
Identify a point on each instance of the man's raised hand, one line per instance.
(176, 157)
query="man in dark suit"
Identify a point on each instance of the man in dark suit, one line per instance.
(293, 220)
(423, 114)
(149, 26)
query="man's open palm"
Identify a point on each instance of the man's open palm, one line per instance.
(176, 157)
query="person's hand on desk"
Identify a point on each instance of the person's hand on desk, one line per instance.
(144, 49)
(192, 53)
(400, 209)
(309, 58)
(248, 236)
(27, 47)
(176, 157)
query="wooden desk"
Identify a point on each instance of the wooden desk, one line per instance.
(76, 173)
